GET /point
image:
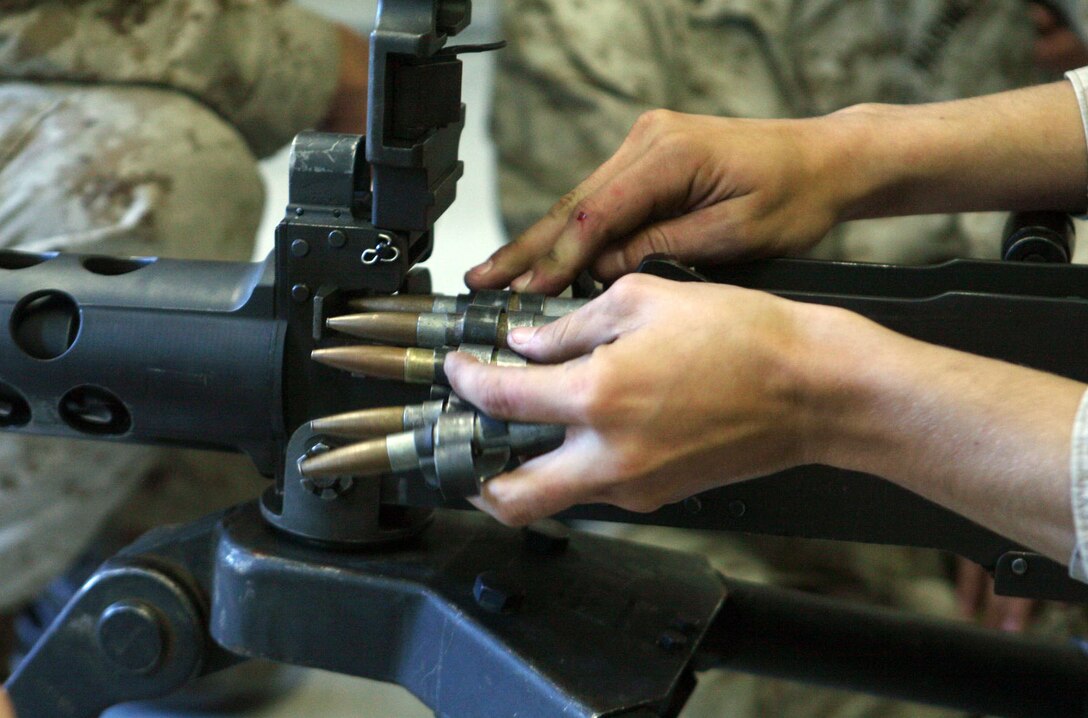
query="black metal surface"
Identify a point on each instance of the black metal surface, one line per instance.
(773, 632)
(164, 353)
(472, 617)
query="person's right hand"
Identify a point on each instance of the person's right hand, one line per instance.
(703, 189)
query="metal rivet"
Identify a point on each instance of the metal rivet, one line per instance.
(299, 211)
(300, 293)
(737, 509)
(497, 593)
(300, 248)
(693, 505)
(337, 239)
(336, 213)
(1019, 566)
(131, 635)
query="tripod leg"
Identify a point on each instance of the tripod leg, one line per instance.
(133, 631)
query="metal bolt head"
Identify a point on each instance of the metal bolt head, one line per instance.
(737, 509)
(547, 537)
(300, 247)
(325, 488)
(299, 211)
(300, 293)
(497, 593)
(692, 505)
(131, 635)
(1019, 566)
(337, 239)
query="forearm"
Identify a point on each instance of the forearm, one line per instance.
(1015, 150)
(987, 439)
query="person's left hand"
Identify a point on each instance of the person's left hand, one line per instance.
(978, 602)
(667, 388)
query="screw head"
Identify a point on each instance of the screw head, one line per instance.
(300, 293)
(497, 593)
(131, 635)
(1019, 566)
(337, 239)
(300, 247)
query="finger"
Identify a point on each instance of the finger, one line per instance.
(601, 321)
(547, 394)
(514, 260)
(714, 233)
(545, 485)
(653, 187)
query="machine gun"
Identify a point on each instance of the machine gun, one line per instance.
(387, 579)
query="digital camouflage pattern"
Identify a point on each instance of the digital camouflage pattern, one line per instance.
(573, 80)
(133, 128)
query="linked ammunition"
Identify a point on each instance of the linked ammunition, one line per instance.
(447, 304)
(413, 366)
(370, 423)
(476, 325)
(455, 454)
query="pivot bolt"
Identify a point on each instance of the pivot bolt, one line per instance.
(132, 636)
(1019, 566)
(326, 489)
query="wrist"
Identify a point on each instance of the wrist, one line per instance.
(855, 162)
(843, 381)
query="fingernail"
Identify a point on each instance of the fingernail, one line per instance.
(483, 268)
(522, 282)
(521, 335)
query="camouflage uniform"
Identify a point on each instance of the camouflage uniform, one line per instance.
(574, 79)
(134, 128)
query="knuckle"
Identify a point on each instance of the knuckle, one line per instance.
(652, 121)
(629, 289)
(596, 391)
(657, 241)
(565, 205)
(498, 398)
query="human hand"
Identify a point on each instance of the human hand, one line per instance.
(1057, 47)
(704, 189)
(978, 602)
(667, 389)
(347, 113)
(6, 709)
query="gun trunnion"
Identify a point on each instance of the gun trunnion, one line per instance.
(474, 618)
